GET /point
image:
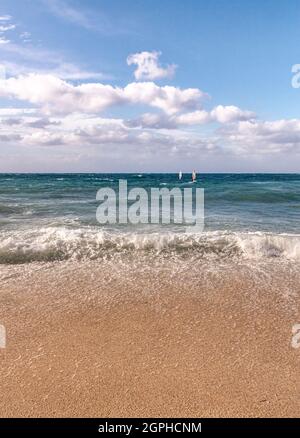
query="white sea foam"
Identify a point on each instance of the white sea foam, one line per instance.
(60, 243)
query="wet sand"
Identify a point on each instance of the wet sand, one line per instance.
(112, 340)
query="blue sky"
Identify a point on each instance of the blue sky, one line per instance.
(236, 56)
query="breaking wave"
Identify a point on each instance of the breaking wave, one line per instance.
(62, 243)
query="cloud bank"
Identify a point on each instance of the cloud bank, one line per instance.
(55, 95)
(71, 121)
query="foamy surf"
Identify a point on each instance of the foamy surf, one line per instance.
(62, 243)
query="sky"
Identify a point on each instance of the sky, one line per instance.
(149, 86)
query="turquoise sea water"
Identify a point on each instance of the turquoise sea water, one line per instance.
(53, 217)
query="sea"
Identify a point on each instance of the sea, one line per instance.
(52, 217)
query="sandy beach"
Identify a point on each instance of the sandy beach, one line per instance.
(117, 339)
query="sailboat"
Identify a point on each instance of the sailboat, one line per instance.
(180, 175)
(194, 176)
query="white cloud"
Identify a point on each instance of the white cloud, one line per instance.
(57, 96)
(5, 17)
(148, 67)
(198, 117)
(25, 37)
(16, 111)
(153, 121)
(3, 40)
(220, 114)
(169, 99)
(260, 137)
(228, 114)
(7, 27)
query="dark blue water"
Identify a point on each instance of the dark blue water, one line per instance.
(50, 216)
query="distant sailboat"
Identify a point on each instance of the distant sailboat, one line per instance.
(180, 175)
(194, 176)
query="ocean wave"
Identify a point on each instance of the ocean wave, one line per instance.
(263, 197)
(62, 243)
(11, 209)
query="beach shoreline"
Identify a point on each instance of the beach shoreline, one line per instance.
(95, 339)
